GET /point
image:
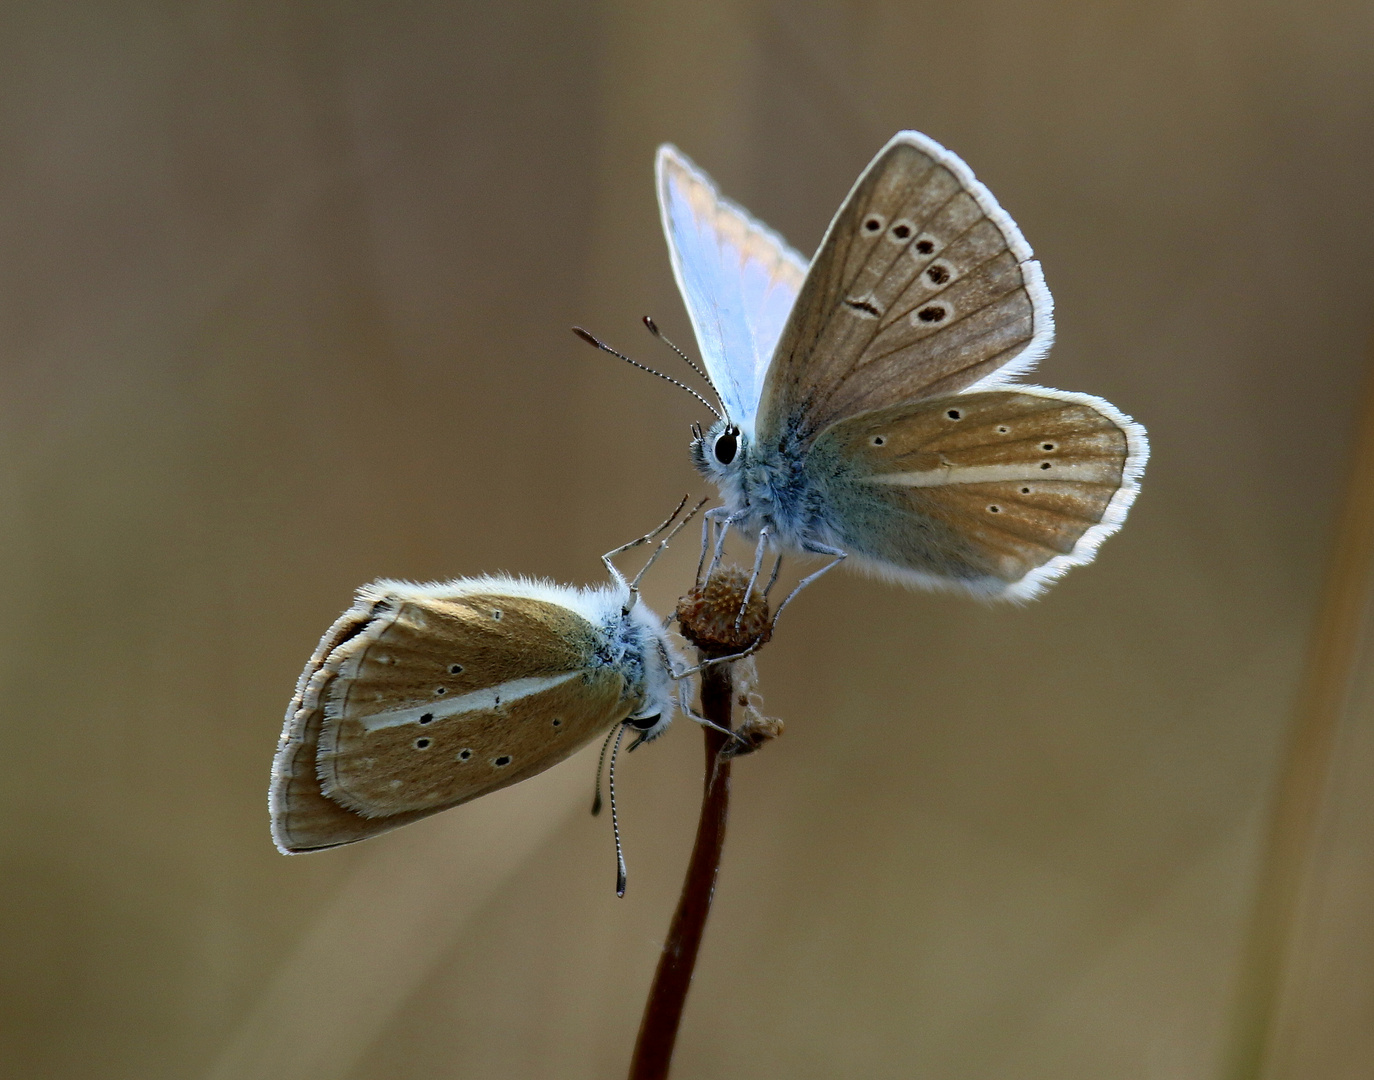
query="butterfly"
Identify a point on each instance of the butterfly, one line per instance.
(422, 697)
(868, 408)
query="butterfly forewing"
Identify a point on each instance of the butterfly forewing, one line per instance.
(303, 819)
(997, 491)
(738, 278)
(923, 286)
(445, 700)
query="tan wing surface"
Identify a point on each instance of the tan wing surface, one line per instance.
(449, 700)
(923, 286)
(993, 491)
(349, 765)
(303, 819)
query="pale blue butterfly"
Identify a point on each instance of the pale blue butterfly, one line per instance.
(868, 408)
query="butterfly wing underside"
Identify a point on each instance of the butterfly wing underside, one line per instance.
(417, 702)
(738, 278)
(923, 286)
(997, 491)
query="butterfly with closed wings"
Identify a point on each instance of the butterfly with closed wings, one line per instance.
(868, 408)
(422, 697)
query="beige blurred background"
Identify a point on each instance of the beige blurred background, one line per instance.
(285, 292)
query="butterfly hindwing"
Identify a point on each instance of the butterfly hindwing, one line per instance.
(738, 278)
(923, 286)
(445, 699)
(996, 491)
(516, 679)
(303, 819)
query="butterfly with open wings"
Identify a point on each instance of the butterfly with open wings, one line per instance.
(869, 412)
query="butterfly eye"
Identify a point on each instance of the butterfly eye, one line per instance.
(644, 723)
(727, 445)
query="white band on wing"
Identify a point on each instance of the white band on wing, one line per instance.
(484, 700)
(1083, 472)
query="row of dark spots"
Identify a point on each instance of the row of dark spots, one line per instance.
(463, 755)
(428, 718)
(440, 691)
(500, 761)
(994, 509)
(937, 274)
(902, 231)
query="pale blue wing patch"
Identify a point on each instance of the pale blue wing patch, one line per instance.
(738, 280)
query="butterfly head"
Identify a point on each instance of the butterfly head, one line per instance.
(646, 661)
(720, 451)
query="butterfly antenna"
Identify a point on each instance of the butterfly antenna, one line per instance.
(620, 874)
(653, 329)
(600, 765)
(590, 340)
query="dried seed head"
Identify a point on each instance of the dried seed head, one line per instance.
(707, 614)
(755, 731)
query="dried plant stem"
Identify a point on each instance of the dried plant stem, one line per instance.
(663, 1011)
(1302, 788)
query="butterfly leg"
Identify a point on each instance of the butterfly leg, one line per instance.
(707, 520)
(837, 556)
(712, 518)
(685, 706)
(722, 533)
(662, 547)
(773, 578)
(759, 549)
(641, 539)
(633, 586)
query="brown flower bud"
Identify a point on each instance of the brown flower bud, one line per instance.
(708, 614)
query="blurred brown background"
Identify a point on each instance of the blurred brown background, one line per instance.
(285, 292)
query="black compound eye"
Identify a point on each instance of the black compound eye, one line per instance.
(644, 723)
(727, 445)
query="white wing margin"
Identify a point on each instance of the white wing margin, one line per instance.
(737, 277)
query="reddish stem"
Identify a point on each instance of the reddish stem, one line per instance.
(663, 1011)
